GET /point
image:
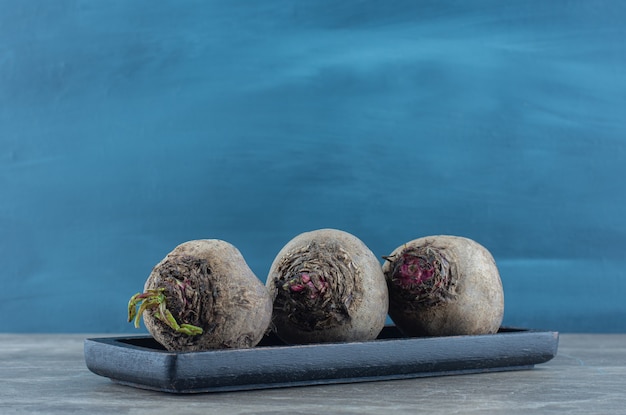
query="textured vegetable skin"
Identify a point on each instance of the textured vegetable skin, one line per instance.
(444, 285)
(208, 284)
(327, 286)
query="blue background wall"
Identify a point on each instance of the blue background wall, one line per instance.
(128, 127)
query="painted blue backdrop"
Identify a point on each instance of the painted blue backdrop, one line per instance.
(128, 127)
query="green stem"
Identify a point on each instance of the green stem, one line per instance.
(155, 299)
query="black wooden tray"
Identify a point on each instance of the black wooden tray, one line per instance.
(141, 362)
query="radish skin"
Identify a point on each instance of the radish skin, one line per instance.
(444, 285)
(327, 286)
(204, 296)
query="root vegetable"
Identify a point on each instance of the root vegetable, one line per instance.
(444, 285)
(327, 286)
(203, 296)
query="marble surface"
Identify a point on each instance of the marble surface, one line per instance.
(47, 374)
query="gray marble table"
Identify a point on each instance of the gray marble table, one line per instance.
(47, 374)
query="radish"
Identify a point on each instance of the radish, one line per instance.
(203, 296)
(327, 286)
(444, 285)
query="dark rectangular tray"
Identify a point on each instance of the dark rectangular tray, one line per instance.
(141, 362)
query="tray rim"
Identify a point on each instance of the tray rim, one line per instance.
(124, 339)
(178, 372)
